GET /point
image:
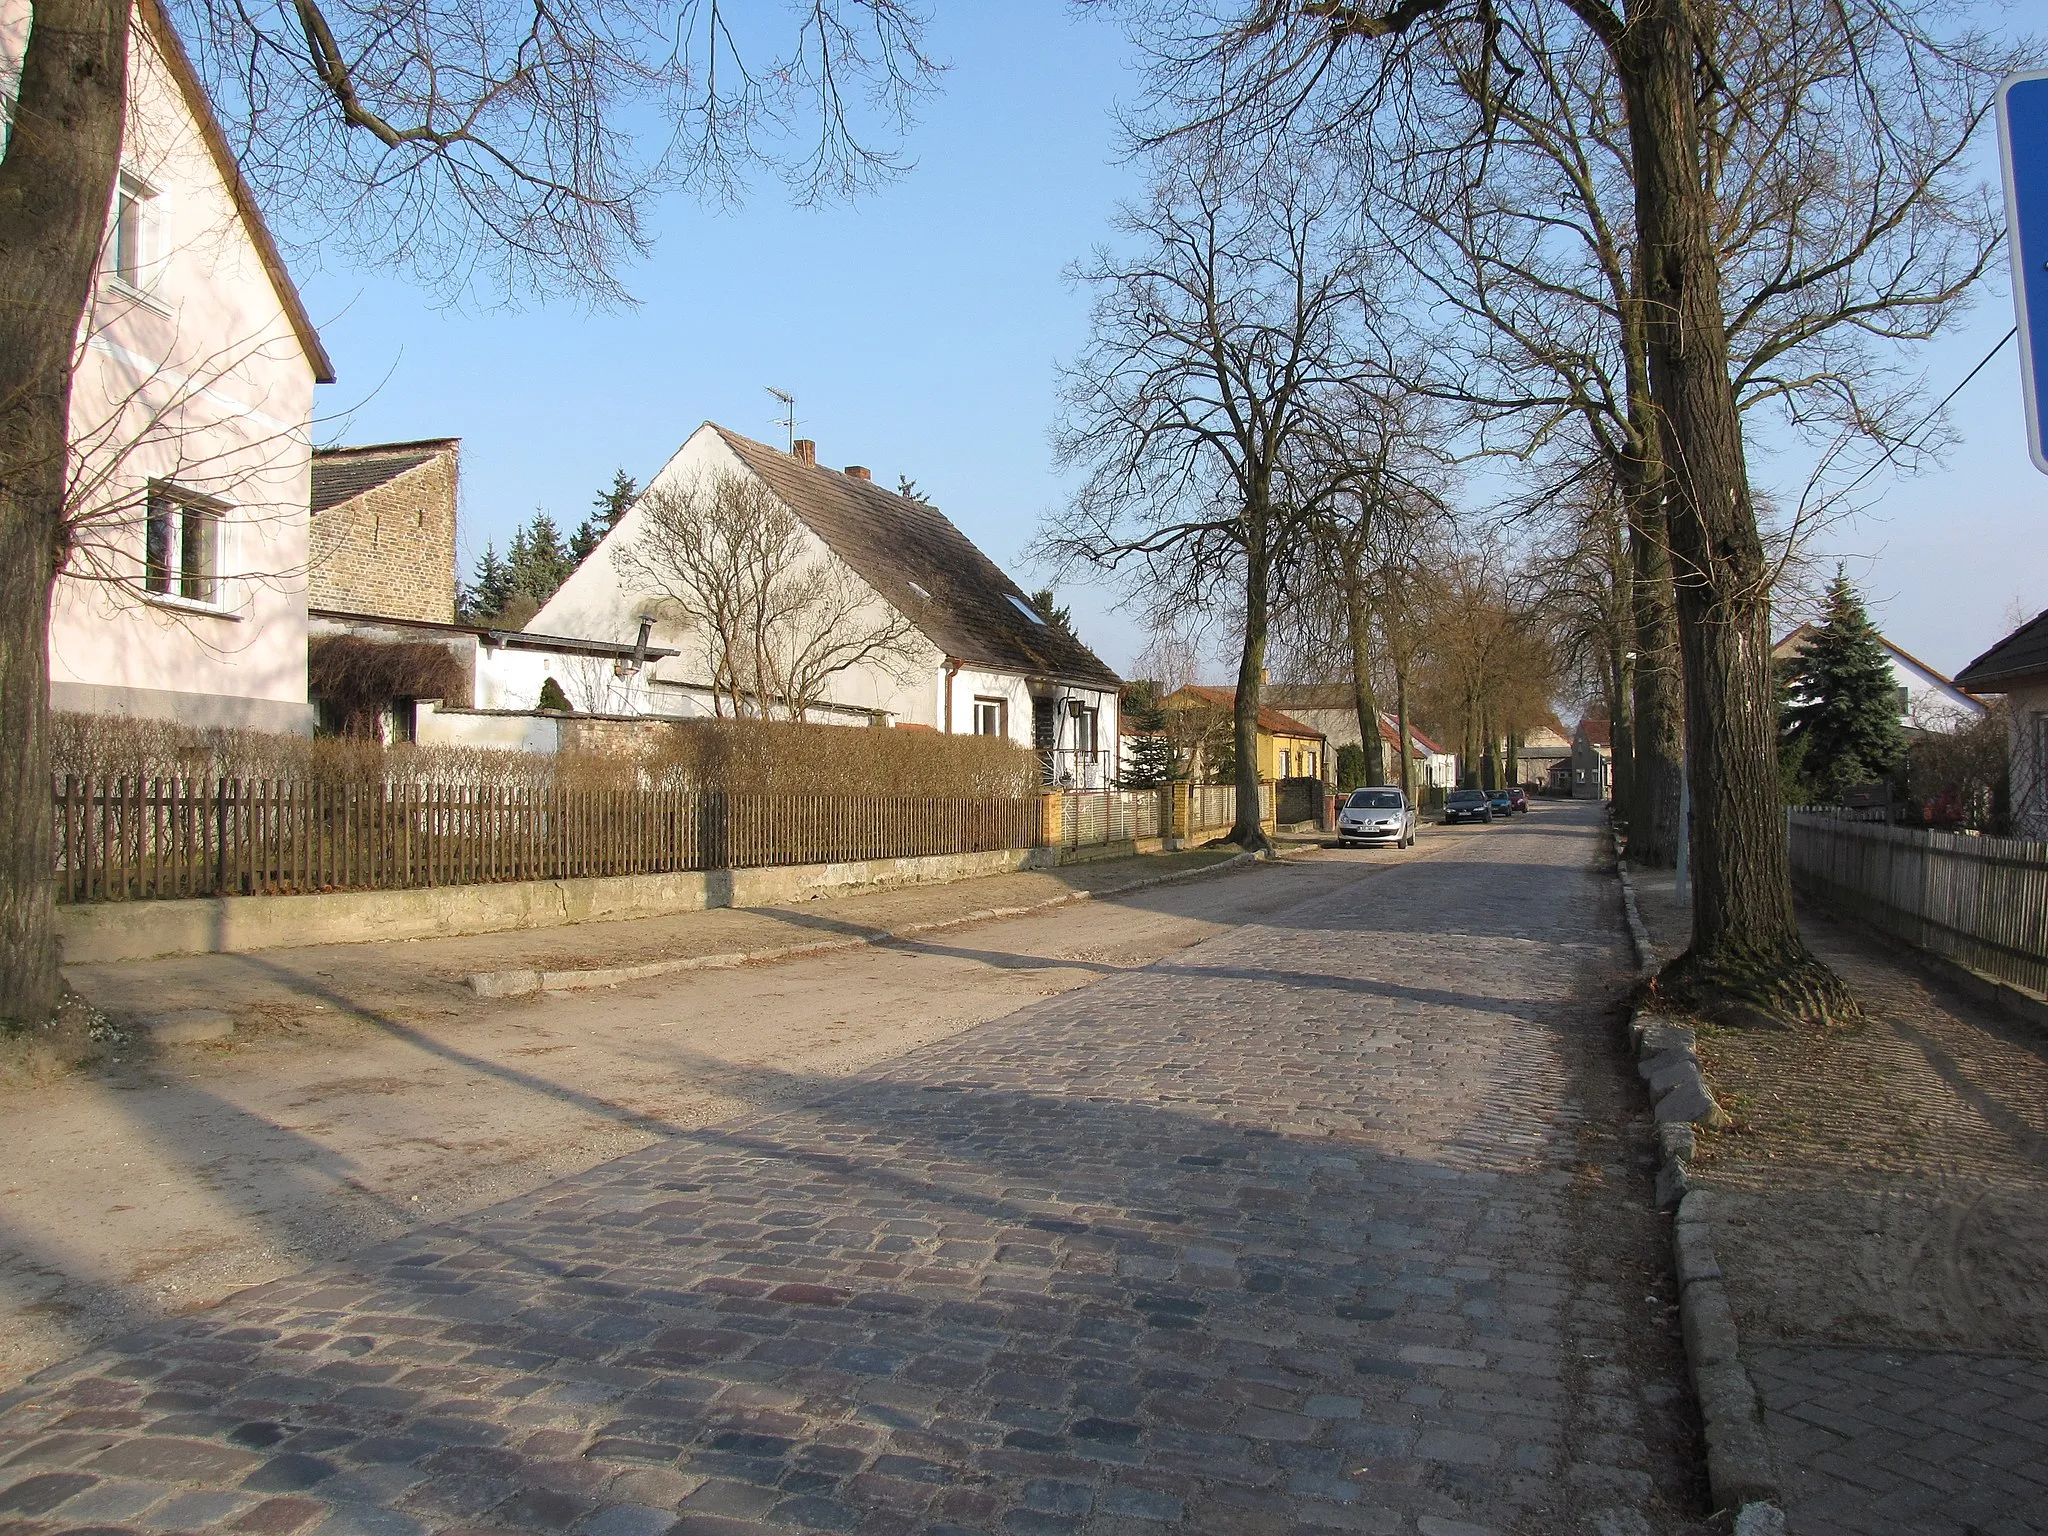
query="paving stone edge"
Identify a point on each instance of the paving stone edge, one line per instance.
(523, 983)
(1739, 1469)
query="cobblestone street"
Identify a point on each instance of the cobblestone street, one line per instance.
(1339, 1221)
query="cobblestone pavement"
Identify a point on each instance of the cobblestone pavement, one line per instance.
(1337, 1222)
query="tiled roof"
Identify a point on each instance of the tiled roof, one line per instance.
(927, 569)
(1270, 719)
(1599, 733)
(2022, 653)
(342, 474)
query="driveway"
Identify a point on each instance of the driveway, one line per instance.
(1336, 1220)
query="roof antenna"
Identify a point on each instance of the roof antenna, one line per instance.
(788, 417)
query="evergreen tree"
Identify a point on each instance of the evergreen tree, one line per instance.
(1148, 760)
(606, 509)
(540, 561)
(1049, 609)
(1839, 721)
(482, 600)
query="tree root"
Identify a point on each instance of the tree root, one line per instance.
(1745, 989)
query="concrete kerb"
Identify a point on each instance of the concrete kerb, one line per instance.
(523, 983)
(1738, 1456)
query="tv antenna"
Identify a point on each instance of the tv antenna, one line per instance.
(788, 416)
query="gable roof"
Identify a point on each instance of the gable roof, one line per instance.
(2020, 654)
(1271, 720)
(172, 51)
(1596, 731)
(1795, 643)
(923, 566)
(342, 474)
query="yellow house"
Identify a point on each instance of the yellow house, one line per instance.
(1288, 749)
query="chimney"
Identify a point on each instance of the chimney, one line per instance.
(858, 472)
(805, 450)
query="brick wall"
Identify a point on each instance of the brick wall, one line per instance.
(391, 550)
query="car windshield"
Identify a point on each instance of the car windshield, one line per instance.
(1466, 797)
(1375, 800)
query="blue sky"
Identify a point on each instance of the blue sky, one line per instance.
(920, 330)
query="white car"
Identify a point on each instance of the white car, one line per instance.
(1376, 816)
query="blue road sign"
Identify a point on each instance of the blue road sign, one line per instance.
(2023, 144)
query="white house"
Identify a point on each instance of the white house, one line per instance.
(2018, 668)
(1927, 699)
(185, 593)
(980, 660)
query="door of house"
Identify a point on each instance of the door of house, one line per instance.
(1045, 727)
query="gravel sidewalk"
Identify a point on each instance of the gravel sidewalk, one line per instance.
(1881, 1207)
(411, 978)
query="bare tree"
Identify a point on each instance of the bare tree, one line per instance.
(777, 617)
(1907, 91)
(1227, 351)
(475, 144)
(1387, 489)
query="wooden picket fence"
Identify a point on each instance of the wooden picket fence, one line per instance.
(131, 838)
(1982, 901)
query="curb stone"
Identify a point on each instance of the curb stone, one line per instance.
(1738, 1457)
(524, 983)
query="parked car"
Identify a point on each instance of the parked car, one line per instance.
(1467, 805)
(1376, 816)
(1502, 802)
(1518, 797)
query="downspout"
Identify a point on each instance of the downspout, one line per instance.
(952, 671)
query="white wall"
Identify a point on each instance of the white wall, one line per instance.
(193, 375)
(598, 603)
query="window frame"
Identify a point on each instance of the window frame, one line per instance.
(171, 585)
(134, 222)
(999, 707)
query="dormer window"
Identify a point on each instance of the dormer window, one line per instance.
(1026, 609)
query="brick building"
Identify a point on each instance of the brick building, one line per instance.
(383, 536)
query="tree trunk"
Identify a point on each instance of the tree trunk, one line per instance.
(1358, 619)
(1512, 771)
(1653, 830)
(1246, 831)
(1746, 957)
(56, 185)
(1621, 729)
(1407, 741)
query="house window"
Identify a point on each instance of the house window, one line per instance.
(129, 240)
(1084, 732)
(1286, 764)
(1905, 701)
(182, 545)
(991, 717)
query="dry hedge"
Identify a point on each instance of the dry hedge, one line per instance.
(735, 756)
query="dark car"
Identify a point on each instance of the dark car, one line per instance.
(1502, 801)
(1467, 805)
(1519, 798)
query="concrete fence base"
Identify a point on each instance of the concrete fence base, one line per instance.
(95, 933)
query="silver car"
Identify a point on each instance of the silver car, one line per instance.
(1376, 816)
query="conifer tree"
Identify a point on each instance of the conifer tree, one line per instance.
(483, 599)
(607, 507)
(1839, 724)
(1149, 755)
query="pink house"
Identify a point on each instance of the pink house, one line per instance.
(185, 596)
